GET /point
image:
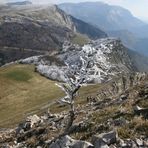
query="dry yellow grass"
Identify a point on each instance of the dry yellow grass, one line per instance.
(23, 91)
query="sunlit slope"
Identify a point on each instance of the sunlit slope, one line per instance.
(23, 91)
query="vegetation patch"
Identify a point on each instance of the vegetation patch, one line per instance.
(125, 133)
(103, 115)
(139, 125)
(18, 75)
(80, 39)
(143, 103)
(19, 99)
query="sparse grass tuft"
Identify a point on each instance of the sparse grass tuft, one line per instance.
(139, 125)
(143, 128)
(143, 103)
(31, 141)
(80, 39)
(124, 132)
(104, 114)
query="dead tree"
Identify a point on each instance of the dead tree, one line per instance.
(75, 77)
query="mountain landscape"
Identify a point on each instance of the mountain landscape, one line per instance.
(114, 20)
(39, 29)
(103, 15)
(72, 75)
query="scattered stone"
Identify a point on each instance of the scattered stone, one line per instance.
(33, 120)
(134, 144)
(39, 147)
(137, 108)
(22, 127)
(68, 142)
(122, 143)
(139, 142)
(104, 139)
(124, 97)
(98, 142)
(82, 144)
(48, 141)
(141, 111)
(33, 132)
(127, 144)
(112, 146)
(145, 142)
(110, 137)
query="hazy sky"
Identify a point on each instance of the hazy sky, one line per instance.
(139, 8)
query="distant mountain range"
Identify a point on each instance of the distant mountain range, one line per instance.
(115, 20)
(19, 3)
(105, 16)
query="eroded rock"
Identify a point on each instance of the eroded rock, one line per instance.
(33, 120)
(68, 142)
(104, 139)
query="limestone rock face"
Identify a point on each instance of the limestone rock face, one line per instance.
(110, 59)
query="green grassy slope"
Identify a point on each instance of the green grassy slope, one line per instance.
(23, 91)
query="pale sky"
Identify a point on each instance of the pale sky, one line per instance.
(139, 8)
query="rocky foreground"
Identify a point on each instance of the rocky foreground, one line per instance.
(115, 118)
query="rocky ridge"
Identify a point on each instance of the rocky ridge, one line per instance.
(110, 59)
